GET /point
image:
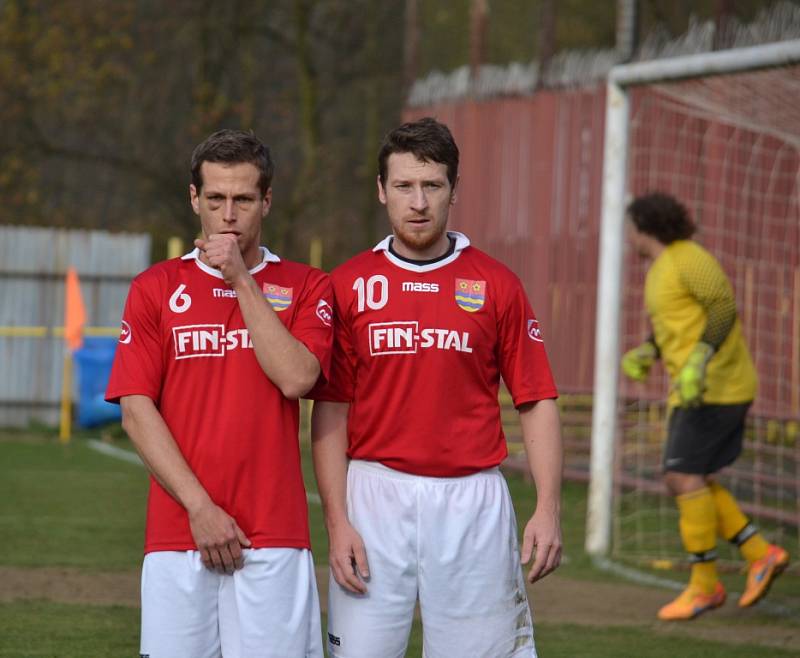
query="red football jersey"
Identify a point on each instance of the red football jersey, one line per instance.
(419, 352)
(184, 344)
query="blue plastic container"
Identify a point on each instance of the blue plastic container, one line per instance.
(93, 368)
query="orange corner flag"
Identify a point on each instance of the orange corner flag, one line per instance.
(74, 312)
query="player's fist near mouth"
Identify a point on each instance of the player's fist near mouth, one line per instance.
(222, 252)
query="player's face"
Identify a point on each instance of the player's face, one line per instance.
(230, 201)
(417, 196)
(637, 240)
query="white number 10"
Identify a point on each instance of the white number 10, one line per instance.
(375, 299)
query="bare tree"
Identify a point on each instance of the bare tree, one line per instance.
(478, 35)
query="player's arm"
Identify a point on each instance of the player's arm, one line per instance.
(288, 363)
(541, 433)
(347, 555)
(216, 534)
(705, 280)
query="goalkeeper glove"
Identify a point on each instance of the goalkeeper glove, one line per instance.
(691, 379)
(636, 363)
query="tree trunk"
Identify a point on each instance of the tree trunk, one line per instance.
(547, 38)
(478, 36)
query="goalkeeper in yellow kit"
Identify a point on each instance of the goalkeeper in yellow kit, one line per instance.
(697, 334)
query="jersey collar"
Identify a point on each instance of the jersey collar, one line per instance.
(266, 257)
(462, 242)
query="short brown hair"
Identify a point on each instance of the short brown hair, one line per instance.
(233, 147)
(428, 139)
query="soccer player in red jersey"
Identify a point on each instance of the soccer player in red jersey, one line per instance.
(215, 349)
(407, 436)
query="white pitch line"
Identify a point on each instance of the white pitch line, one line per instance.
(117, 453)
(133, 458)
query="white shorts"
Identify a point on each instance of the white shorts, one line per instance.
(452, 542)
(267, 609)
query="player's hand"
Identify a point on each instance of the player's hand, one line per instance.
(348, 558)
(542, 540)
(218, 538)
(223, 253)
(691, 380)
(636, 363)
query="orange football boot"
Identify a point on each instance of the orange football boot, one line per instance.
(762, 573)
(692, 602)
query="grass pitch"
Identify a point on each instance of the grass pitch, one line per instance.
(69, 510)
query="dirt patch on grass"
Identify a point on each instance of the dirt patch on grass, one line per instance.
(70, 586)
(555, 600)
(561, 600)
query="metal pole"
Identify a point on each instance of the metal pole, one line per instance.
(721, 62)
(609, 289)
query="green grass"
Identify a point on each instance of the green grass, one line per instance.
(569, 640)
(41, 629)
(68, 506)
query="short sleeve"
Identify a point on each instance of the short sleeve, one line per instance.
(313, 322)
(340, 386)
(522, 356)
(138, 366)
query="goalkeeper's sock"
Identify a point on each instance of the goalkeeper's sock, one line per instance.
(734, 526)
(698, 526)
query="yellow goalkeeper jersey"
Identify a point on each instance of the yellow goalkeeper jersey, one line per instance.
(689, 298)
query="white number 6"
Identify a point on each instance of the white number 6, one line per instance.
(180, 301)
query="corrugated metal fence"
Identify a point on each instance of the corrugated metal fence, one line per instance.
(33, 263)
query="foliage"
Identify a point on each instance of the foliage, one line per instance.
(104, 102)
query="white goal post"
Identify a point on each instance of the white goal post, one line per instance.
(621, 80)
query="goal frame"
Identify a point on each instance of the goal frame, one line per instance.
(621, 79)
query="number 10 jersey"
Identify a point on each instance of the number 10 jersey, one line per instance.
(419, 353)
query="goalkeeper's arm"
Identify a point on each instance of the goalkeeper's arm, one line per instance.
(707, 283)
(636, 363)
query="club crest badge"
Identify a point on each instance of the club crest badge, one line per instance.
(470, 294)
(279, 297)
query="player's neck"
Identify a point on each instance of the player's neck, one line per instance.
(655, 249)
(649, 247)
(398, 253)
(433, 252)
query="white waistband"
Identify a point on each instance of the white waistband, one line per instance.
(379, 469)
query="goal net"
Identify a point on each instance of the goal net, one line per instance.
(728, 146)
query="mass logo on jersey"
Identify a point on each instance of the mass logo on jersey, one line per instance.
(279, 297)
(205, 340)
(125, 334)
(388, 338)
(470, 294)
(324, 312)
(534, 332)
(179, 301)
(419, 286)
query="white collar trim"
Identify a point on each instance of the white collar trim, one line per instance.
(266, 257)
(462, 242)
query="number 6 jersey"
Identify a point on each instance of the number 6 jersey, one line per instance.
(185, 345)
(419, 352)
